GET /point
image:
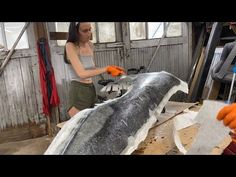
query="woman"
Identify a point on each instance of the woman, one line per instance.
(79, 58)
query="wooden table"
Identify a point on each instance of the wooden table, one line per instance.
(159, 140)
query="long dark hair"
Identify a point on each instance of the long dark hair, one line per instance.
(72, 37)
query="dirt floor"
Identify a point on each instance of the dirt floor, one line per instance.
(34, 146)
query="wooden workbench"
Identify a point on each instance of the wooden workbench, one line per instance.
(159, 140)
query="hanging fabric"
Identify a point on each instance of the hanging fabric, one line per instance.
(47, 78)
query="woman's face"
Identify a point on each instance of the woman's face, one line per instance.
(85, 31)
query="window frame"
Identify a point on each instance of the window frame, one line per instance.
(146, 32)
(96, 31)
(3, 34)
(4, 38)
(97, 34)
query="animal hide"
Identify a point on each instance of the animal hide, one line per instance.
(117, 126)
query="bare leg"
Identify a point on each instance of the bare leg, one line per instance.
(73, 111)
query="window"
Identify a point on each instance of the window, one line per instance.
(150, 30)
(62, 27)
(101, 31)
(9, 33)
(155, 29)
(174, 29)
(1, 39)
(137, 30)
(94, 33)
(106, 32)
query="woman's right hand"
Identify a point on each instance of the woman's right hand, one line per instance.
(115, 70)
(228, 115)
(119, 68)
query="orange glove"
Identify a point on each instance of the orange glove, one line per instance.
(228, 115)
(115, 71)
(119, 68)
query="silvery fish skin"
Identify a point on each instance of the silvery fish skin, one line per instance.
(117, 126)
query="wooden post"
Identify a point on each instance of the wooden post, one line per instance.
(49, 129)
(214, 91)
(40, 31)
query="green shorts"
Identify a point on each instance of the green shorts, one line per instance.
(81, 95)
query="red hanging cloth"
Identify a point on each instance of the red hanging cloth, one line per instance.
(50, 96)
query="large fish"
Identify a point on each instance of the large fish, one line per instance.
(117, 126)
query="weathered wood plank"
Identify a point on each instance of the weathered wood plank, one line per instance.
(22, 133)
(15, 93)
(58, 35)
(36, 82)
(10, 92)
(196, 75)
(4, 109)
(29, 90)
(182, 75)
(186, 56)
(19, 53)
(59, 67)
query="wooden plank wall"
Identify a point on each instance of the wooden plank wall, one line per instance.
(169, 58)
(61, 76)
(20, 95)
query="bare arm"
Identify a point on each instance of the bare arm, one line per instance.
(78, 67)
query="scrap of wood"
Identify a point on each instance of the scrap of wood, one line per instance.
(159, 140)
(214, 90)
(196, 74)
